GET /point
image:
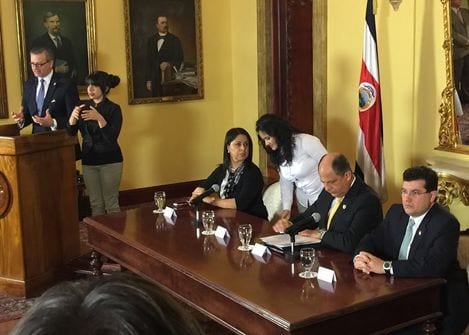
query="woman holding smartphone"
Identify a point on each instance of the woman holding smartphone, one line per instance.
(99, 121)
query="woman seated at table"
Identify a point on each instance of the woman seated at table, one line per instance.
(240, 180)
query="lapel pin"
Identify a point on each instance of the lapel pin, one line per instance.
(344, 206)
(420, 232)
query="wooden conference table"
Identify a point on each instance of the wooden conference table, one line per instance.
(252, 296)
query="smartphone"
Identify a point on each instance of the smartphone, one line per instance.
(86, 105)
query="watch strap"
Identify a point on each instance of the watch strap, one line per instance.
(387, 265)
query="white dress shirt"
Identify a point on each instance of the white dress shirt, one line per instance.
(302, 172)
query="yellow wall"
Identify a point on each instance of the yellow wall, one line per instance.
(166, 142)
(171, 142)
(412, 77)
(244, 53)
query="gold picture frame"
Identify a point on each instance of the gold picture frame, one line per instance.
(77, 35)
(449, 135)
(3, 91)
(181, 77)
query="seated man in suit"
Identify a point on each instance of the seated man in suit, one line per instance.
(348, 207)
(420, 239)
(48, 98)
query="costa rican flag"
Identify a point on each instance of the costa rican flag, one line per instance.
(370, 156)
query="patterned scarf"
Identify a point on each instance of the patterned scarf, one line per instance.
(230, 181)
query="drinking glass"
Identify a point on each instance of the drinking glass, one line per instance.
(160, 202)
(208, 221)
(307, 258)
(245, 233)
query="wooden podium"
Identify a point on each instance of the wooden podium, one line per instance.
(38, 210)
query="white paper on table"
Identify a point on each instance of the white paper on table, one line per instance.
(222, 232)
(260, 250)
(326, 275)
(261, 253)
(169, 213)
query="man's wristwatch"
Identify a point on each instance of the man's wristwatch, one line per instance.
(387, 265)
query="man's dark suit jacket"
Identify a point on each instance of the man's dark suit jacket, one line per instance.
(433, 253)
(61, 97)
(171, 52)
(359, 212)
(62, 53)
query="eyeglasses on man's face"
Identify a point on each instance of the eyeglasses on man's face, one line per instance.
(413, 193)
(39, 64)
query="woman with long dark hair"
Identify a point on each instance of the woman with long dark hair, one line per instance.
(296, 157)
(240, 180)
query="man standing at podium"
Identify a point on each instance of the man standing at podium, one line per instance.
(48, 98)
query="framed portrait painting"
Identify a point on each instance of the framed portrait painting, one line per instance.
(3, 91)
(65, 26)
(164, 50)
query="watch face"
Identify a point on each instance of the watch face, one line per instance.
(387, 265)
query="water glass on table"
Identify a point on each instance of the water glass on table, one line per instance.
(245, 234)
(307, 258)
(208, 221)
(160, 202)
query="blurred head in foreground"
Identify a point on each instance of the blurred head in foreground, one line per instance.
(116, 304)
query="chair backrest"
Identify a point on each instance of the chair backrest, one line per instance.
(272, 199)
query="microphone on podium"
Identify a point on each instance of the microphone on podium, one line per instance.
(213, 189)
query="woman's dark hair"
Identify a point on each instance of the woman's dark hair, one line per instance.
(117, 304)
(229, 137)
(103, 80)
(283, 132)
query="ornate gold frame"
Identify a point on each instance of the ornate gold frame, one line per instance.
(451, 187)
(3, 91)
(89, 27)
(448, 137)
(144, 29)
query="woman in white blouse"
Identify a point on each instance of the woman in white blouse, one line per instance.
(296, 156)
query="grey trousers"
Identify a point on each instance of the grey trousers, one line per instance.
(102, 185)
